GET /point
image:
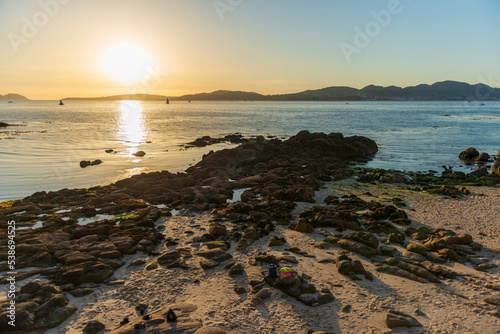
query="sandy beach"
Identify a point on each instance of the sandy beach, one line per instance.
(454, 306)
(364, 257)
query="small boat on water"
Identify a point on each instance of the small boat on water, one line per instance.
(10, 101)
(61, 103)
(482, 104)
(168, 102)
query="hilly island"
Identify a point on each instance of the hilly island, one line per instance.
(12, 97)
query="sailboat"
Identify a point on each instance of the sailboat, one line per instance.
(10, 101)
(168, 102)
(61, 103)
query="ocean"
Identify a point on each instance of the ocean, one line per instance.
(44, 149)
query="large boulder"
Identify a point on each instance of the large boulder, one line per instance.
(38, 306)
(169, 257)
(34, 254)
(468, 154)
(124, 244)
(85, 272)
(304, 226)
(412, 269)
(357, 247)
(93, 327)
(483, 157)
(289, 285)
(217, 229)
(416, 248)
(303, 145)
(366, 238)
(459, 239)
(323, 217)
(213, 257)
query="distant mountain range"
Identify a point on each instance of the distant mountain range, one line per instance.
(141, 97)
(12, 97)
(439, 91)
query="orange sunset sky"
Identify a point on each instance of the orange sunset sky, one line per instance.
(53, 49)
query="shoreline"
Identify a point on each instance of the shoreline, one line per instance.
(194, 260)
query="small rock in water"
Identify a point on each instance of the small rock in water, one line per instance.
(139, 154)
(468, 154)
(86, 163)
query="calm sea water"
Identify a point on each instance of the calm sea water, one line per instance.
(44, 151)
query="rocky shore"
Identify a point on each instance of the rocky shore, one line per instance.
(356, 250)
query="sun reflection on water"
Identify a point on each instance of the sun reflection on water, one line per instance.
(132, 127)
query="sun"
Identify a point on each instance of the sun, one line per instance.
(126, 62)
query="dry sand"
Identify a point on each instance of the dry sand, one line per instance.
(454, 306)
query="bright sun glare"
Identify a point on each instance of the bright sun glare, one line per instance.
(126, 62)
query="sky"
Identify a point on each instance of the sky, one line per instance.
(51, 49)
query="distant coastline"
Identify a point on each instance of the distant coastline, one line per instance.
(12, 97)
(439, 91)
